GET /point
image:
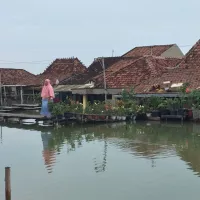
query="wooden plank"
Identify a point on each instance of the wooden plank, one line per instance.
(28, 108)
(26, 105)
(154, 118)
(21, 116)
(4, 111)
(10, 108)
(172, 116)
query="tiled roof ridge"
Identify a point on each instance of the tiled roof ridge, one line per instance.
(54, 63)
(157, 45)
(17, 69)
(120, 57)
(192, 49)
(151, 65)
(11, 68)
(149, 46)
(164, 58)
(73, 76)
(4, 68)
(107, 57)
(167, 59)
(187, 54)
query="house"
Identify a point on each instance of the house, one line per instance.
(114, 66)
(187, 71)
(132, 71)
(15, 84)
(134, 67)
(23, 84)
(166, 51)
(93, 70)
(83, 80)
(128, 73)
(61, 69)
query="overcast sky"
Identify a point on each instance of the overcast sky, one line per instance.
(42, 30)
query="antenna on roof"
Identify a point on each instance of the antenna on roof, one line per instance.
(113, 52)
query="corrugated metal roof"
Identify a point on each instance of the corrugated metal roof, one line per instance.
(67, 88)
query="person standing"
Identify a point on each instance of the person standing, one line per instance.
(47, 96)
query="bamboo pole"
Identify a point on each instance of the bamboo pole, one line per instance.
(7, 184)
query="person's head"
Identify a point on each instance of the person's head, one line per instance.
(46, 82)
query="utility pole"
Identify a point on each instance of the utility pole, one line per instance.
(104, 77)
(1, 90)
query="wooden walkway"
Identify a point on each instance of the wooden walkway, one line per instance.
(26, 105)
(21, 116)
(10, 108)
(166, 117)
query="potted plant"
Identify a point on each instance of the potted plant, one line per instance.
(58, 111)
(141, 113)
(50, 106)
(77, 109)
(103, 109)
(162, 107)
(89, 112)
(122, 113)
(153, 104)
(118, 114)
(130, 108)
(182, 102)
(194, 99)
(67, 109)
(114, 113)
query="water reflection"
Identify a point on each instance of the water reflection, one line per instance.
(143, 141)
(101, 167)
(49, 153)
(157, 141)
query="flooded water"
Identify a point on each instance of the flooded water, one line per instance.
(110, 162)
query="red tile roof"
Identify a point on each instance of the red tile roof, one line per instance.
(16, 77)
(188, 70)
(93, 70)
(62, 69)
(132, 71)
(156, 50)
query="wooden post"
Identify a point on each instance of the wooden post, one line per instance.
(5, 95)
(16, 93)
(7, 184)
(113, 100)
(33, 95)
(21, 92)
(104, 78)
(84, 101)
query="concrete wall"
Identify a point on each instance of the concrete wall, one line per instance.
(173, 52)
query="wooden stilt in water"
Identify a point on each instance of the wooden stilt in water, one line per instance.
(7, 184)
